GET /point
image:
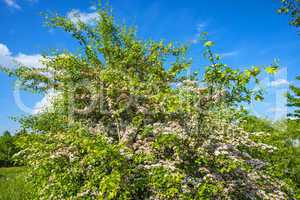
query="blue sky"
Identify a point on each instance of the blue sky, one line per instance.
(246, 33)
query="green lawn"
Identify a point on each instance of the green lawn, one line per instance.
(13, 184)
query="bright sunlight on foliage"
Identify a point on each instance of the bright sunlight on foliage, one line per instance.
(128, 121)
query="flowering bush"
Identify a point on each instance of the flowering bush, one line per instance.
(126, 124)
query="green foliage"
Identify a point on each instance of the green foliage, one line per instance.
(254, 124)
(288, 140)
(7, 149)
(272, 69)
(126, 124)
(284, 163)
(294, 100)
(13, 184)
(291, 7)
(209, 44)
(231, 84)
(97, 166)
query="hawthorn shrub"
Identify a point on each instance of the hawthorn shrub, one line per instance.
(125, 122)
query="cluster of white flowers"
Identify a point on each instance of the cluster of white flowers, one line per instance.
(65, 152)
(219, 141)
(196, 148)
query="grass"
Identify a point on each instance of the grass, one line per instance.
(13, 185)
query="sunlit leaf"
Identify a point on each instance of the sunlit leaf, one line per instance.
(272, 69)
(209, 44)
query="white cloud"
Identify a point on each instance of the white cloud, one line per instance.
(93, 7)
(4, 51)
(45, 103)
(278, 110)
(6, 59)
(279, 83)
(194, 41)
(29, 60)
(12, 4)
(32, 1)
(229, 54)
(200, 27)
(11, 61)
(75, 15)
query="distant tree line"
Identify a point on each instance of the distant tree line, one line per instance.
(285, 136)
(7, 149)
(292, 8)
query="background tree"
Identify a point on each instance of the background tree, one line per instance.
(294, 100)
(291, 7)
(7, 149)
(285, 136)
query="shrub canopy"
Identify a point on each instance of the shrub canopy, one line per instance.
(125, 122)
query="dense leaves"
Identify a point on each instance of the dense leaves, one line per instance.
(291, 7)
(7, 149)
(294, 100)
(285, 136)
(127, 123)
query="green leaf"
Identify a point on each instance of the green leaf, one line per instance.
(272, 69)
(209, 44)
(259, 98)
(255, 71)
